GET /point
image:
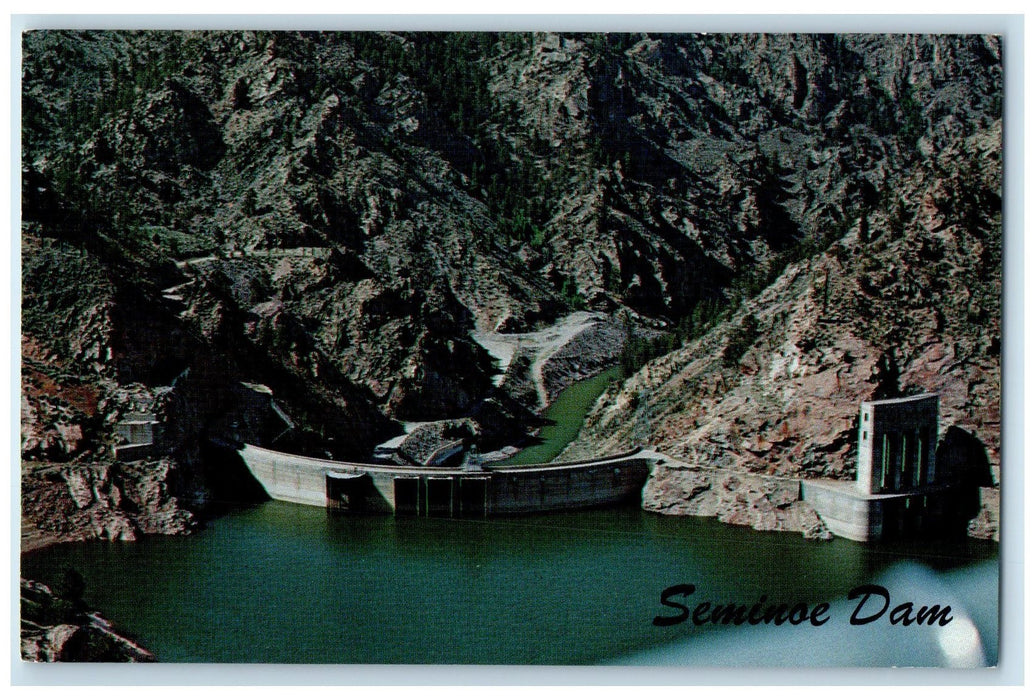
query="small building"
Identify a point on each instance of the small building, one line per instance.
(136, 435)
(900, 490)
(897, 441)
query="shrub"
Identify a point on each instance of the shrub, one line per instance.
(740, 339)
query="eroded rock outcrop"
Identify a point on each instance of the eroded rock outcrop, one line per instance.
(60, 627)
(760, 502)
(108, 501)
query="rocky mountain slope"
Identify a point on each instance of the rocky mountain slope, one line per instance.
(899, 305)
(337, 216)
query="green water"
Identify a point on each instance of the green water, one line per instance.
(564, 416)
(285, 583)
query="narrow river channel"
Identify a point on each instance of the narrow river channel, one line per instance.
(564, 418)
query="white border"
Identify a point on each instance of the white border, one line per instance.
(1015, 424)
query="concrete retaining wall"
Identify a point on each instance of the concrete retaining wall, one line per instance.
(287, 477)
(845, 514)
(935, 511)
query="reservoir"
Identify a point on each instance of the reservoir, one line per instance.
(283, 583)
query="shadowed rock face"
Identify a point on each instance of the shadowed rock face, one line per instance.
(334, 215)
(57, 626)
(962, 453)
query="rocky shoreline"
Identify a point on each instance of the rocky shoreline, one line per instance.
(74, 502)
(60, 627)
(764, 503)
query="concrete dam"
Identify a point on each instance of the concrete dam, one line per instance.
(448, 492)
(904, 485)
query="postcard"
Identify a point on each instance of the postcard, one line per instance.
(511, 348)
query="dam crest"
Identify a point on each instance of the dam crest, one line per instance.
(448, 492)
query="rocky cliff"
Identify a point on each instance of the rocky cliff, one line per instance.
(900, 304)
